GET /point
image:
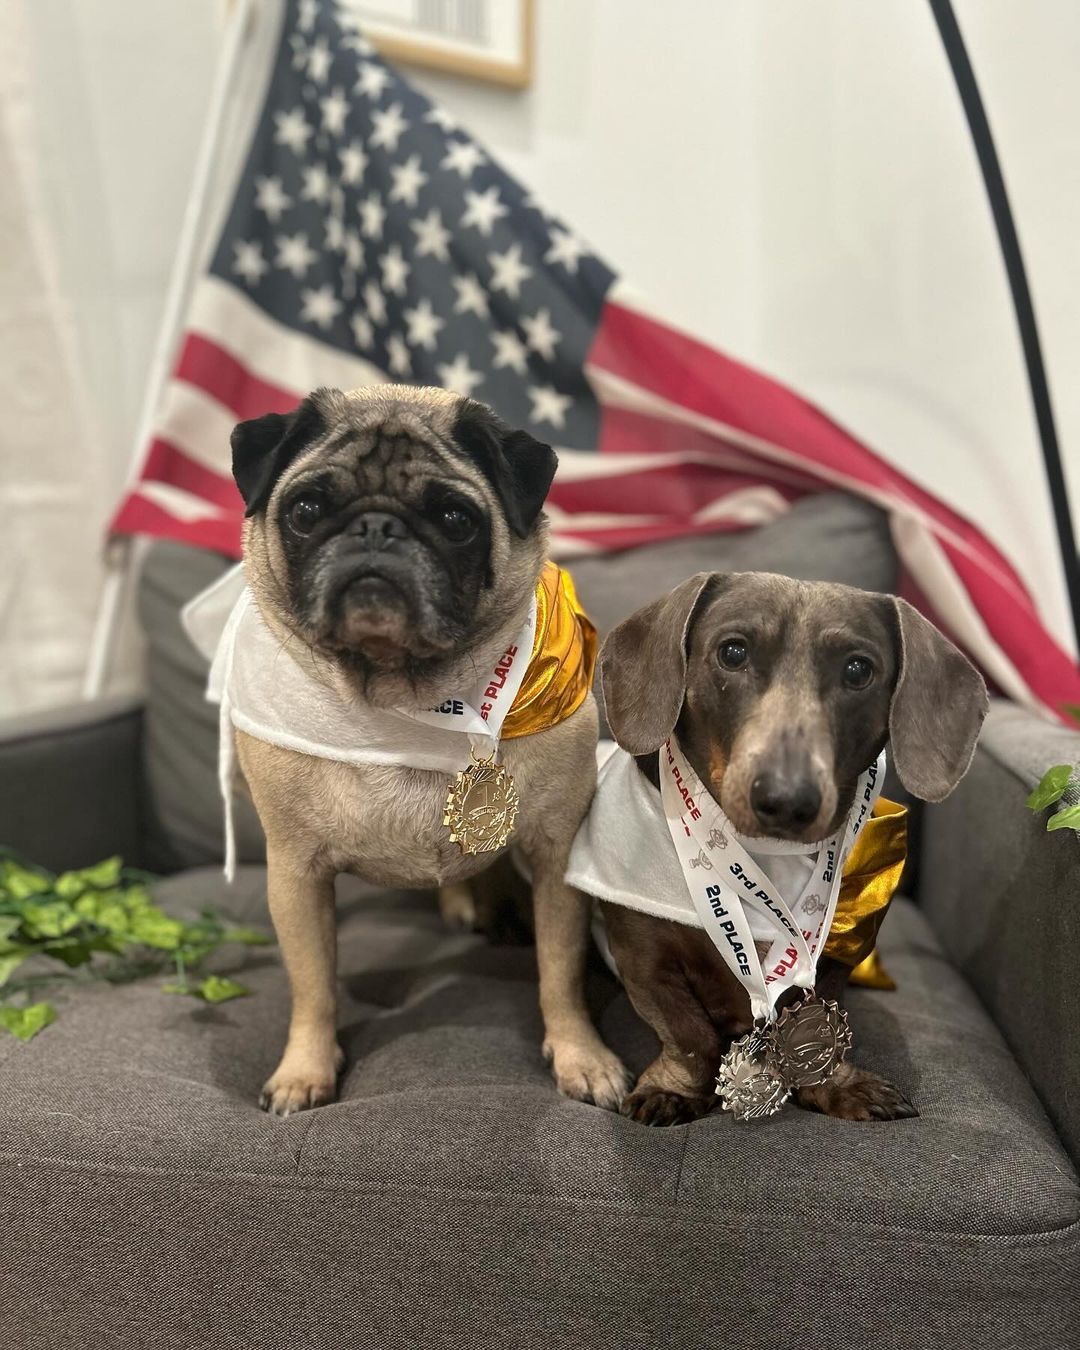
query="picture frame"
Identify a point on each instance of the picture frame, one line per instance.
(487, 40)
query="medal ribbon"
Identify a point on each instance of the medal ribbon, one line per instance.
(480, 711)
(721, 891)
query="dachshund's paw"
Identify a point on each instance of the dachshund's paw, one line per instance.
(302, 1081)
(654, 1106)
(587, 1071)
(855, 1094)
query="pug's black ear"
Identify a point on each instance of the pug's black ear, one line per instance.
(519, 468)
(263, 449)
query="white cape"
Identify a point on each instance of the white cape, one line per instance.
(623, 850)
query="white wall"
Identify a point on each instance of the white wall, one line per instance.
(792, 180)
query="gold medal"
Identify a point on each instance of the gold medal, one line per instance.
(481, 806)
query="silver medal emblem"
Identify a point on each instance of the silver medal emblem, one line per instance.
(810, 1040)
(750, 1084)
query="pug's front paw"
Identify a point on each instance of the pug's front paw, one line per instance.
(301, 1081)
(855, 1094)
(587, 1071)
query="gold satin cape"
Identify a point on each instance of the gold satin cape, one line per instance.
(558, 678)
(560, 670)
(871, 876)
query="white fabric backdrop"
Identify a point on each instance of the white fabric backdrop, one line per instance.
(100, 114)
(794, 182)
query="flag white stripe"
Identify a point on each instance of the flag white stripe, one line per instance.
(932, 572)
(197, 424)
(185, 506)
(750, 506)
(587, 465)
(614, 391)
(279, 355)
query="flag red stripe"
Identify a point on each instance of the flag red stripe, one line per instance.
(626, 431)
(675, 490)
(167, 464)
(220, 374)
(221, 534)
(684, 371)
(1047, 670)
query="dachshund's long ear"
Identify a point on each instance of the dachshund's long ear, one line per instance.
(643, 667)
(263, 448)
(937, 708)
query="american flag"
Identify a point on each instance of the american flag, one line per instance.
(370, 238)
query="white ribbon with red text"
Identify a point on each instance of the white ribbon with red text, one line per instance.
(723, 879)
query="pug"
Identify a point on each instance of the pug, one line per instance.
(392, 544)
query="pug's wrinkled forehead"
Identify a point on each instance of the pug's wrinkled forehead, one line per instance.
(377, 441)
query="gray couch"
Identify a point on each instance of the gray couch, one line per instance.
(452, 1198)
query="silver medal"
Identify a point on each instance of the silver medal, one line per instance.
(750, 1084)
(810, 1040)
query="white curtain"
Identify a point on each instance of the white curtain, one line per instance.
(101, 105)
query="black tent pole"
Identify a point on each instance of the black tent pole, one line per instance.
(979, 127)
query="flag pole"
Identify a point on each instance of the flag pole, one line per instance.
(994, 182)
(121, 552)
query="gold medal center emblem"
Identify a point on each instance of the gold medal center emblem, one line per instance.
(481, 806)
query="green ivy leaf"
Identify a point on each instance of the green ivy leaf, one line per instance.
(154, 928)
(73, 952)
(137, 897)
(1054, 782)
(1066, 819)
(250, 937)
(25, 1023)
(10, 961)
(52, 919)
(8, 925)
(69, 885)
(22, 882)
(108, 909)
(217, 989)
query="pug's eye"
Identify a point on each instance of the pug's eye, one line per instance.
(733, 654)
(457, 524)
(306, 512)
(858, 673)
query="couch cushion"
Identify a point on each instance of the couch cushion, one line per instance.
(830, 537)
(1008, 911)
(180, 738)
(453, 1198)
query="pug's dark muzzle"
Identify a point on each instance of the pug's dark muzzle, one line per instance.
(376, 591)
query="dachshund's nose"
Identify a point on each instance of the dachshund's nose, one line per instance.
(781, 802)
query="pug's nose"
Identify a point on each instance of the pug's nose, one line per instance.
(781, 802)
(377, 529)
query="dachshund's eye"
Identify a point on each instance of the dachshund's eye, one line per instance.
(733, 654)
(306, 512)
(858, 673)
(458, 525)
